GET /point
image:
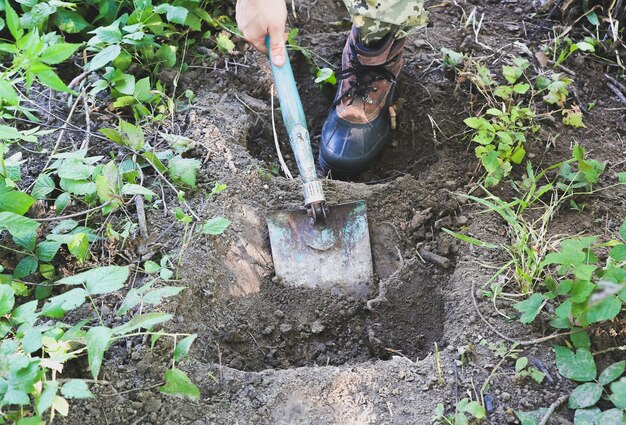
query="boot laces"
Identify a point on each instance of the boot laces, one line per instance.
(365, 76)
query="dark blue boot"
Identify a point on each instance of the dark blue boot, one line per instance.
(358, 125)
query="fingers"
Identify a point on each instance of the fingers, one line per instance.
(259, 44)
(277, 45)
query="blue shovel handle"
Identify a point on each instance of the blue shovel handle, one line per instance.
(295, 122)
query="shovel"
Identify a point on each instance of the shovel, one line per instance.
(319, 246)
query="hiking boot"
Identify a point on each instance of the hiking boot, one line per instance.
(358, 125)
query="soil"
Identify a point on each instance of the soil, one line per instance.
(272, 354)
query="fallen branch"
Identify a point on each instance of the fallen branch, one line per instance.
(433, 258)
(617, 92)
(552, 408)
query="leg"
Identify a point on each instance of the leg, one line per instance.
(376, 18)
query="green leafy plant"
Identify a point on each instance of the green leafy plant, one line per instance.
(610, 384)
(465, 408)
(502, 131)
(501, 139)
(321, 69)
(32, 59)
(34, 349)
(524, 370)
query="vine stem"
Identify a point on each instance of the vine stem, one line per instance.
(552, 408)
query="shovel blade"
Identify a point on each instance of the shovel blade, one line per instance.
(333, 255)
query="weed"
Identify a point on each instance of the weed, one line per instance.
(524, 370)
(529, 243)
(320, 68)
(508, 121)
(464, 408)
(578, 364)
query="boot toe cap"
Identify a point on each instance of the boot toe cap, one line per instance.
(348, 149)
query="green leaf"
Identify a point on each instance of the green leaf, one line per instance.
(585, 395)
(451, 57)
(105, 56)
(183, 170)
(618, 252)
(13, 21)
(607, 309)
(512, 73)
(182, 348)
(57, 306)
(174, 14)
(585, 47)
(155, 296)
(76, 388)
(26, 267)
(146, 321)
(151, 267)
(612, 417)
(62, 201)
(586, 416)
(167, 55)
(215, 226)
(475, 409)
(518, 155)
(7, 299)
(532, 417)
(581, 340)
(520, 364)
(325, 75)
(619, 393)
(17, 224)
(98, 339)
(51, 79)
(69, 21)
(579, 366)
(521, 88)
(474, 122)
(8, 94)
(46, 250)
(180, 144)
(573, 118)
(224, 44)
(44, 401)
(100, 280)
(178, 384)
(135, 189)
(470, 239)
(31, 341)
(142, 90)
(58, 53)
(612, 372)
(15, 202)
(592, 18)
(79, 246)
(43, 186)
(529, 308)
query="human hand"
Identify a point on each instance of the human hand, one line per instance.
(258, 18)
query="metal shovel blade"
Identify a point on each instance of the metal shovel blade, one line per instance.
(334, 254)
